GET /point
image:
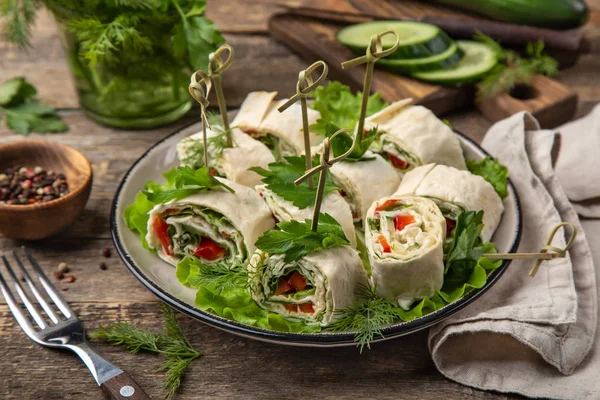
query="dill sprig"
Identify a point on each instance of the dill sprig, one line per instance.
(367, 317)
(18, 17)
(174, 344)
(194, 152)
(512, 68)
(219, 277)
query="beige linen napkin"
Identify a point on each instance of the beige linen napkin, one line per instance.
(528, 335)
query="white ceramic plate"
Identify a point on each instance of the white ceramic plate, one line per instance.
(159, 277)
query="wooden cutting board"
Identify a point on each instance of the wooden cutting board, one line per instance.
(310, 32)
(315, 40)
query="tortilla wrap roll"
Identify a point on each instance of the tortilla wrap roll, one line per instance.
(311, 289)
(333, 204)
(214, 225)
(363, 182)
(414, 136)
(282, 132)
(231, 162)
(454, 192)
(405, 237)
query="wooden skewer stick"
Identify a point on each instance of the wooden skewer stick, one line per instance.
(304, 88)
(216, 67)
(199, 90)
(374, 53)
(325, 163)
(548, 252)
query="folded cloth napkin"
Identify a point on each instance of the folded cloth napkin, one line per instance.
(529, 335)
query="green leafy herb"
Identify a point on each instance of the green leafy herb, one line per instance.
(367, 317)
(174, 344)
(22, 113)
(18, 17)
(493, 172)
(280, 178)
(340, 107)
(342, 143)
(512, 68)
(296, 239)
(184, 181)
(216, 277)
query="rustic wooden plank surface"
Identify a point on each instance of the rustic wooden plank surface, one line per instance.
(232, 367)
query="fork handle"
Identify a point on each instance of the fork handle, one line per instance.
(123, 387)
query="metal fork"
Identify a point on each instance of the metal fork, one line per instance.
(62, 331)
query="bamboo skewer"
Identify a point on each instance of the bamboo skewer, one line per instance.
(216, 67)
(548, 252)
(199, 90)
(304, 88)
(325, 163)
(374, 53)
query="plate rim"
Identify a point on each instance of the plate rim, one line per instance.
(320, 339)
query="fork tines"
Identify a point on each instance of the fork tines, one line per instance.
(40, 320)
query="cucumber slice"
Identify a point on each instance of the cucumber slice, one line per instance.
(477, 61)
(446, 59)
(417, 39)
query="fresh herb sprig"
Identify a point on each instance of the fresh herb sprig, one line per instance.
(216, 144)
(174, 344)
(493, 172)
(23, 113)
(280, 178)
(338, 106)
(367, 317)
(512, 68)
(183, 182)
(216, 277)
(342, 143)
(296, 239)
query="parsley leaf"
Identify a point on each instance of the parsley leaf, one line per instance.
(182, 182)
(23, 114)
(296, 239)
(280, 178)
(338, 106)
(493, 172)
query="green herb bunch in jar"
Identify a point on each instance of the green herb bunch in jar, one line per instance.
(131, 59)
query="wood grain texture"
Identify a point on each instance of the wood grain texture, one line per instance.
(123, 387)
(550, 102)
(232, 367)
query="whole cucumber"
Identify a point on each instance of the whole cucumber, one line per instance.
(555, 14)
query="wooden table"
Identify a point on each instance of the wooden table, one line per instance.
(232, 367)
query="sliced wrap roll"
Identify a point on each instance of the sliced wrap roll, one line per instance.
(311, 289)
(414, 136)
(363, 182)
(214, 225)
(231, 162)
(405, 237)
(455, 191)
(281, 132)
(333, 204)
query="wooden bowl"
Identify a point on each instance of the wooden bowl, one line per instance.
(41, 220)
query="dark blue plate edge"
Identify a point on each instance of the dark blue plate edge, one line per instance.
(291, 338)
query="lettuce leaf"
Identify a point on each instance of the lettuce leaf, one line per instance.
(493, 172)
(340, 107)
(234, 302)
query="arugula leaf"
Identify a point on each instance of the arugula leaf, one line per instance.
(493, 172)
(280, 178)
(465, 246)
(339, 107)
(296, 239)
(22, 113)
(183, 182)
